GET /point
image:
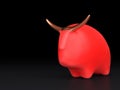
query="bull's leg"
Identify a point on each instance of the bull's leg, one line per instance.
(87, 73)
(105, 70)
(75, 72)
(105, 67)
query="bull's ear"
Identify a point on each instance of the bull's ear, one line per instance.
(81, 24)
(57, 28)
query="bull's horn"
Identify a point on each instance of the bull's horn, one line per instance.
(57, 28)
(81, 24)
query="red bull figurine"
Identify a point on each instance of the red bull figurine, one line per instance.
(83, 50)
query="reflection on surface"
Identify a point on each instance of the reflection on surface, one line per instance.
(95, 83)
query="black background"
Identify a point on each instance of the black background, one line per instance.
(25, 33)
(29, 45)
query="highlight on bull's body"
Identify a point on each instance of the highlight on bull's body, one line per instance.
(83, 50)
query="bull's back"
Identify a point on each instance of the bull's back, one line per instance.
(99, 49)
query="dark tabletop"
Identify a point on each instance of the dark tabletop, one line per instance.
(52, 76)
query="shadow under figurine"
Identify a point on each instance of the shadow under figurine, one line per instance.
(83, 50)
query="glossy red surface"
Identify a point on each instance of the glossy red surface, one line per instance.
(84, 52)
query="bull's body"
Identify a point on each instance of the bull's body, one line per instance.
(84, 52)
